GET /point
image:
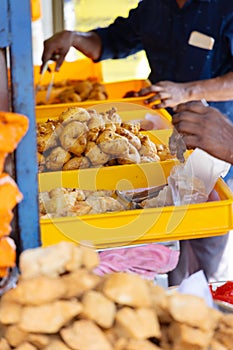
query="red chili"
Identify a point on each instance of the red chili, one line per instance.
(224, 292)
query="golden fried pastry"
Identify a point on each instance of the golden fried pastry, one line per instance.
(57, 157)
(132, 126)
(130, 157)
(73, 137)
(112, 143)
(83, 88)
(111, 117)
(141, 323)
(68, 95)
(77, 336)
(49, 318)
(74, 113)
(103, 204)
(127, 289)
(99, 309)
(148, 148)
(80, 162)
(133, 139)
(46, 141)
(96, 156)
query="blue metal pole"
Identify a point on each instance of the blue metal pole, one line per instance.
(22, 88)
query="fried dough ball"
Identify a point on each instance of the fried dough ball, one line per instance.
(133, 139)
(73, 137)
(112, 143)
(83, 88)
(111, 117)
(74, 114)
(47, 134)
(95, 154)
(95, 125)
(130, 157)
(57, 157)
(148, 148)
(68, 95)
(133, 127)
(47, 141)
(77, 163)
(98, 92)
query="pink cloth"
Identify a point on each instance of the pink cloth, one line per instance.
(146, 260)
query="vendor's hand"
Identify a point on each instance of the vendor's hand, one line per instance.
(206, 128)
(165, 94)
(56, 48)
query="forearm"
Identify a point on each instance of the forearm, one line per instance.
(89, 43)
(215, 89)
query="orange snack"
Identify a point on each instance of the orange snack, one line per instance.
(7, 254)
(2, 160)
(13, 127)
(5, 219)
(9, 193)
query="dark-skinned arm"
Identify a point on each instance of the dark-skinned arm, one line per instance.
(206, 128)
(57, 46)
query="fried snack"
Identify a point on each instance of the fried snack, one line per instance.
(4, 344)
(126, 289)
(38, 340)
(148, 148)
(68, 95)
(96, 156)
(36, 291)
(99, 309)
(103, 204)
(57, 158)
(98, 92)
(134, 140)
(49, 318)
(50, 261)
(26, 346)
(95, 125)
(191, 310)
(13, 127)
(132, 126)
(7, 254)
(10, 312)
(73, 137)
(79, 282)
(74, 114)
(9, 190)
(130, 157)
(112, 144)
(77, 336)
(15, 336)
(83, 88)
(56, 344)
(80, 162)
(140, 323)
(186, 337)
(163, 152)
(111, 117)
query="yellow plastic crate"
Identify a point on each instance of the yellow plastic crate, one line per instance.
(135, 226)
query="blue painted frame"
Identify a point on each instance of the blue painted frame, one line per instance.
(17, 17)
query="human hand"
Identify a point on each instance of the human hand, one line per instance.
(165, 94)
(206, 128)
(56, 48)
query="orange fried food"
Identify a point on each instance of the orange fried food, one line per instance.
(9, 191)
(13, 127)
(7, 255)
